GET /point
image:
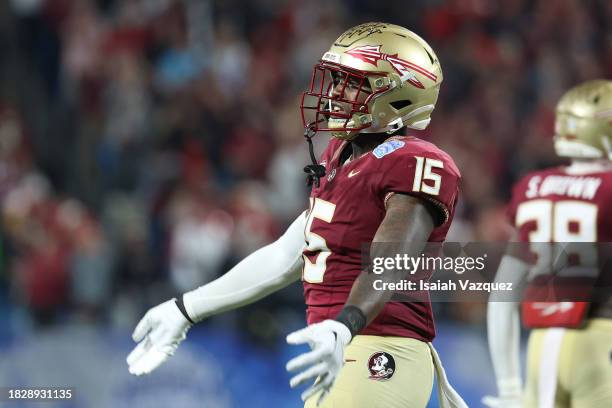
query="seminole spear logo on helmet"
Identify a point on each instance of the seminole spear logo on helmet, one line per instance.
(371, 54)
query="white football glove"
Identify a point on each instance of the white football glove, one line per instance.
(510, 401)
(159, 334)
(322, 364)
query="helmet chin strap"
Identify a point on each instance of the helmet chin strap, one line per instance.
(605, 142)
(314, 171)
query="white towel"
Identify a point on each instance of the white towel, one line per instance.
(447, 396)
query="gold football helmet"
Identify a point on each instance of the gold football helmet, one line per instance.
(583, 122)
(394, 75)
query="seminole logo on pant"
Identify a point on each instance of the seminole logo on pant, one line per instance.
(381, 366)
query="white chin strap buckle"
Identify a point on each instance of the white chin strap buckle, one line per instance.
(395, 125)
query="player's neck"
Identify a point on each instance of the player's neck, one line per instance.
(366, 142)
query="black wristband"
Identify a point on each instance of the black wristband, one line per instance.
(181, 307)
(353, 318)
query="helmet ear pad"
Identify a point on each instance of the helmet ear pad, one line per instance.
(580, 138)
(402, 105)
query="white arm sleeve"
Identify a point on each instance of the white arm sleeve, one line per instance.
(503, 327)
(261, 273)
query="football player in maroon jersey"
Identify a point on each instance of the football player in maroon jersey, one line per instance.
(568, 363)
(370, 186)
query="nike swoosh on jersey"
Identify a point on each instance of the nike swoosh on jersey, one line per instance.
(353, 173)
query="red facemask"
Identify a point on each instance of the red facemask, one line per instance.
(326, 99)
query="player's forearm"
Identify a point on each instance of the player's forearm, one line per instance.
(503, 327)
(404, 230)
(263, 272)
(363, 294)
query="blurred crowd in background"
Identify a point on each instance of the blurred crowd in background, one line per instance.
(148, 145)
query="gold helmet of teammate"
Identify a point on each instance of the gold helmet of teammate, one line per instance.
(583, 122)
(394, 74)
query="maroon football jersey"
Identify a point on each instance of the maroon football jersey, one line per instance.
(581, 206)
(345, 213)
(557, 205)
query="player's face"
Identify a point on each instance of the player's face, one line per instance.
(350, 89)
(337, 100)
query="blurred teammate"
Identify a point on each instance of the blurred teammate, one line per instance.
(370, 187)
(570, 353)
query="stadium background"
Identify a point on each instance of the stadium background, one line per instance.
(148, 145)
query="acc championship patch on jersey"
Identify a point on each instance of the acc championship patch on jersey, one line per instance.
(381, 366)
(387, 148)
